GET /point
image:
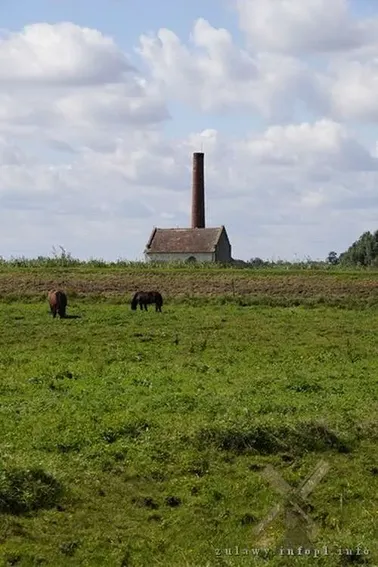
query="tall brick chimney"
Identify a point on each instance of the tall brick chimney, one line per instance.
(198, 191)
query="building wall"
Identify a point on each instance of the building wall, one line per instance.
(223, 250)
(179, 257)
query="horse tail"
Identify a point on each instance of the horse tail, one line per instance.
(62, 302)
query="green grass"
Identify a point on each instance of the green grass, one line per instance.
(140, 439)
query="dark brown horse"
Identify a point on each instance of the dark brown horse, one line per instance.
(144, 298)
(58, 302)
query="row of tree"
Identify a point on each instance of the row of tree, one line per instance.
(363, 252)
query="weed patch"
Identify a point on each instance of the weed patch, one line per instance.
(23, 491)
(268, 440)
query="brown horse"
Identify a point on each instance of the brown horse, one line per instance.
(144, 298)
(58, 302)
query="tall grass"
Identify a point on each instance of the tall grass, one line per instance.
(64, 259)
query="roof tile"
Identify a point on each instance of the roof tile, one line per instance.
(185, 240)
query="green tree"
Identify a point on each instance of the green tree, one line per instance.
(363, 252)
(332, 258)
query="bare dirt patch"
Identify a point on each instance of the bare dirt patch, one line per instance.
(112, 285)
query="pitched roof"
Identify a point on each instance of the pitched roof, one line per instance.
(185, 240)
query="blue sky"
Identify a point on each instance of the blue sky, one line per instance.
(126, 19)
(295, 137)
(123, 19)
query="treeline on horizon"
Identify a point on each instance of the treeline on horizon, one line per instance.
(363, 253)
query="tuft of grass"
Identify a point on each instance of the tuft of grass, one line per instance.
(268, 439)
(23, 491)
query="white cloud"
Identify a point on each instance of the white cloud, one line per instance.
(10, 154)
(313, 26)
(355, 90)
(322, 144)
(60, 54)
(70, 83)
(215, 75)
(85, 161)
(112, 105)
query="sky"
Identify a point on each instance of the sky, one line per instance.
(103, 102)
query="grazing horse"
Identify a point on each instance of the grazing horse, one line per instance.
(144, 298)
(58, 302)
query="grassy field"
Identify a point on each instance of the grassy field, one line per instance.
(137, 439)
